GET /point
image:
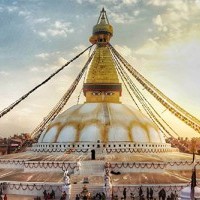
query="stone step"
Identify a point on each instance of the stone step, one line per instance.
(91, 172)
(91, 167)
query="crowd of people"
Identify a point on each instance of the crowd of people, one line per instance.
(146, 195)
(48, 195)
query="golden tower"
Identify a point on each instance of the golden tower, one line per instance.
(102, 83)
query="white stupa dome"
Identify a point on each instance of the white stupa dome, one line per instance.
(106, 122)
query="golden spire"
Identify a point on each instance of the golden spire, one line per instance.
(102, 83)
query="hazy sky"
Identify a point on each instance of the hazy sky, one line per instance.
(161, 38)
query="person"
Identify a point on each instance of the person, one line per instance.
(45, 194)
(148, 195)
(5, 197)
(140, 192)
(77, 197)
(160, 194)
(163, 194)
(151, 193)
(124, 193)
(175, 195)
(172, 196)
(52, 194)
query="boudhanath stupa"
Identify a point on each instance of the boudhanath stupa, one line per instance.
(102, 145)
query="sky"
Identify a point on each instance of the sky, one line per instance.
(160, 38)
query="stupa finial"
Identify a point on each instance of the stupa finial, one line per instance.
(103, 17)
(102, 31)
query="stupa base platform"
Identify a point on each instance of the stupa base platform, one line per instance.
(31, 173)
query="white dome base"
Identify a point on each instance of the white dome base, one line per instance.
(106, 122)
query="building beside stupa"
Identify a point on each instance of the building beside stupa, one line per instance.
(102, 144)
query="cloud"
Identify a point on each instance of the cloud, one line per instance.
(42, 55)
(130, 55)
(84, 1)
(79, 48)
(4, 73)
(34, 69)
(125, 2)
(136, 12)
(159, 23)
(124, 50)
(56, 32)
(44, 27)
(150, 49)
(122, 18)
(57, 28)
(61, 61)
(41, 20)
(24, 13)
(12, 8)
(42, 34)
(158, 20)
(178, 20)
(158, 2)
(129, 2)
